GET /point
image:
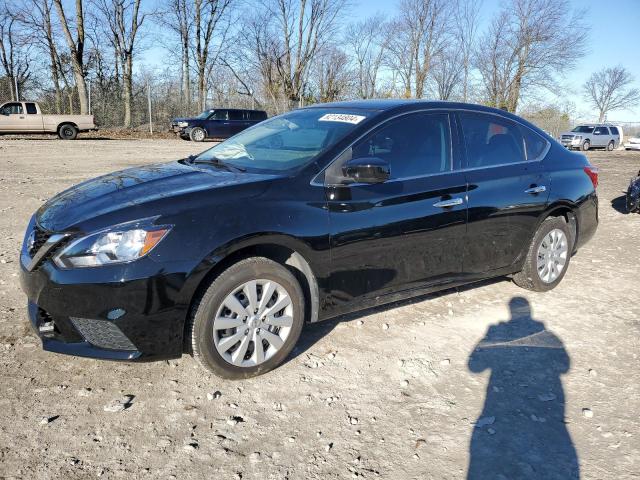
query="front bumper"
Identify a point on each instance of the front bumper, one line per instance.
(570, 143)
(130, 312)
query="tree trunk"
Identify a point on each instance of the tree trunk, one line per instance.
(127, 74)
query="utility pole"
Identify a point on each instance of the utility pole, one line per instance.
(149, 95)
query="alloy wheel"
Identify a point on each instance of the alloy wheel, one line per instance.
(253, 323)
(552, 255)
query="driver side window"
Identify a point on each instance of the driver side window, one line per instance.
(12, 109)
(413, 145)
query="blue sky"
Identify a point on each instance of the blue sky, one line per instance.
(614, 39)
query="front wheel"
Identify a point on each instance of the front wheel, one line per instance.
(248, 320)
(67, 132)
(548, 256)
(197, 134)
(586, 145)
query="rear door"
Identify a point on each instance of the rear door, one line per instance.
(508, 190)
(600, 137)
(399, 234)
(237, 121)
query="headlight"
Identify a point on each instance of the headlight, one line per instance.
(183, 124)
(578, 137)
(117, 245)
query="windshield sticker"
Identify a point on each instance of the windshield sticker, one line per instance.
(341, 117)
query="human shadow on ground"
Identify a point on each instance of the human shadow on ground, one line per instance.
(619, 204)
(521, 432)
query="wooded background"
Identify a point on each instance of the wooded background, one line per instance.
(76, 56)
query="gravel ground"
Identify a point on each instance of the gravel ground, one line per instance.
(488, 381)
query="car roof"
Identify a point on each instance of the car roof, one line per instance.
(385, 104)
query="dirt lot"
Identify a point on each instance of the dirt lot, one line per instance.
(393, 393)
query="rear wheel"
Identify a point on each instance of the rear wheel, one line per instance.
(610, 146)
(248, 320)
(67, 132)
(548, 256)
(197, 134)
(586, 145)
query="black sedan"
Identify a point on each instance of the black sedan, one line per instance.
(315, 213)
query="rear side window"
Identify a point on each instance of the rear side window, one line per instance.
(236, 115)
(219, 115)
(257, 116)
(614, 131)
(31, 108)
(601, 131)
(491, 140)
(535, 145)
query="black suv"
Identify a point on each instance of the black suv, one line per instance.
(309, 215)
(218, 123)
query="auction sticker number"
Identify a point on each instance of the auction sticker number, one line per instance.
(341, 117)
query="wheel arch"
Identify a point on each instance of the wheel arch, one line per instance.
(61, 124)
(567, 211)
(282, 249)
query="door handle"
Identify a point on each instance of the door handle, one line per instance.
(452, 202)
(534, 190)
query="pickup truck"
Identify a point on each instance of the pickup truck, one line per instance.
(26, 117)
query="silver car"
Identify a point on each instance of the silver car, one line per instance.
(589, 136)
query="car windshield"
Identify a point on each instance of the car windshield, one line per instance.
(204, 114)
(286, 142)
(583, 129)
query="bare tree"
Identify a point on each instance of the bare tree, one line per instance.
(332, 79)
(418, 36)
(527, 45)
(467, 20)
(15, 57)
(178, 17)
(367, 45)
(301, 28)
(448, 74)
(609, 89)
(123, 19)
(209, 22)
(76, 48)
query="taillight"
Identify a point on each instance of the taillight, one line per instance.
(592, 172)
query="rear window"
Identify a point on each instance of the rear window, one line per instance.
(31, 109)
(535, 145)
(491, 140)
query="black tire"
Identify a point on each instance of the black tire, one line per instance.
(529, 277)
(610, 146)
(197, 134)
(586, 145)
(67, 132)
(206, 306)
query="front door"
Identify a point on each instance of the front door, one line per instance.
(12, 118)
(508, 189)
(408, 231)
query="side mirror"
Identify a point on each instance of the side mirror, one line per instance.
(367, 170)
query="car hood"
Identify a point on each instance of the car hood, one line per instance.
(186, 119)
(136, 186)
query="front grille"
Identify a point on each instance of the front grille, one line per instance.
(567, 137)
(102, 334)
(40, 237)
